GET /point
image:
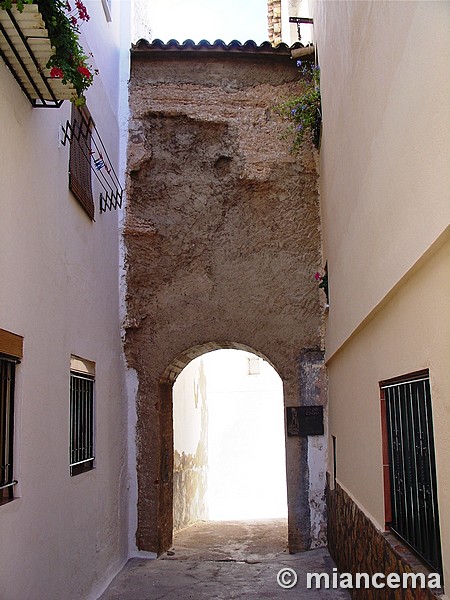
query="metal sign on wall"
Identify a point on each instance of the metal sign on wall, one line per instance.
(304, 420)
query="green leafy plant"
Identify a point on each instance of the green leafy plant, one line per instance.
(69, 62)
(304, 112)
(8, 4)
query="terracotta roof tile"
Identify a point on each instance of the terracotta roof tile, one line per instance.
(143, 46)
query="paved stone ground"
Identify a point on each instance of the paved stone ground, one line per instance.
(223, 561)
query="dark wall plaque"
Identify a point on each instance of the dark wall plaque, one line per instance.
(304, 420)
(311, 420)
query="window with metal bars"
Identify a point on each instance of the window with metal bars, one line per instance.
(7, 376)
(81, 451)
(410, 467)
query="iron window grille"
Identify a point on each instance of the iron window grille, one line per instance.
(88, 158)
(412, 506)
(81, 451)
(7, 378)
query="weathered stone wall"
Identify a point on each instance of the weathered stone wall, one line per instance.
(274, 21)
(222, 240)
(357, 546)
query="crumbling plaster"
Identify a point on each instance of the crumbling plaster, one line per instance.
(222, 242)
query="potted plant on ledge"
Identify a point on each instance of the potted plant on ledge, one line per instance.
(323, 284)
(40, 44)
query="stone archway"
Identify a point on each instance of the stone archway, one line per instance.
(222, 242)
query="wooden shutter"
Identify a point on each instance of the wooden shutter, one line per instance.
(80, 181)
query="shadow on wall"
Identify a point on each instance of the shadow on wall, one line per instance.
(190, 469)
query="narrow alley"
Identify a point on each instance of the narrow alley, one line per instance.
(224, 560)
(224, 300)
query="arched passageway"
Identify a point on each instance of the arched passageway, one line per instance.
(155, 456)
(229, 440)
(222, 240)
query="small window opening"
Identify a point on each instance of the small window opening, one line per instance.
(253, 366)
(81, 450)
(7, 380)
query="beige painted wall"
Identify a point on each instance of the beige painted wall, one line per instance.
(388, 347)
(384, 156)
(63, 538)
(385, 209)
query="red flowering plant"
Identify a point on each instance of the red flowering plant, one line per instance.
(69, 62)
(323, 279)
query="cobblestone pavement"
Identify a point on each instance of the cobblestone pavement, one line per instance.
(223, 561)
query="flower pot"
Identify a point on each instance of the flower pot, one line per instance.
(25, 47)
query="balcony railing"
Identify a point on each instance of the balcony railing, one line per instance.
(25, 47)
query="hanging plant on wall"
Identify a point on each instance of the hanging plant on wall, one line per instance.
(323, 282)
(68, 62)
(304, 112)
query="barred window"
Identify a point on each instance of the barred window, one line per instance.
(7, 376)
(11, 351)
(81, 450)
(410, 468)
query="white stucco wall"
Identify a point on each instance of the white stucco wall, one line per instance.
(246, 443)
(188, 397)
(245, 434)
(190, 441)
(64, 537)
(385, 218)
